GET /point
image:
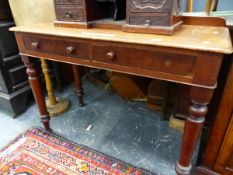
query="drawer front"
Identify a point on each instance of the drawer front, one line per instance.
(145, 59)
(56, 46)
(17, 74)
(149, 20)
(5, 84)
(150, 5)
(12, 61)
(68, 2)
(69, 13)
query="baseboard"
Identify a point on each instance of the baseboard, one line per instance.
(16, 102)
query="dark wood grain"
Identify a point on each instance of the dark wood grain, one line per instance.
(200, 98)
(68, 2)
(33, 76)
(219, 118)
(59, 46)
(80, 12)
(152, 16)
(70, 13)
(145, 59)
(224, 162)
(78, 84)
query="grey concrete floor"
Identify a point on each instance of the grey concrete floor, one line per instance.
(125, 130)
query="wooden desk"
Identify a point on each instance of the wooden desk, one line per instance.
(192, 56)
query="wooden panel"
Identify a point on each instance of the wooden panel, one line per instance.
(68, 2)
(57, 46)
(17, 74)
(12, 61)
(4, 85)
(129, 87)
(150, 6)
(230, 162)
(222, 111)
(162, 19)
(224, 163)
(70, 13)
(154, 60)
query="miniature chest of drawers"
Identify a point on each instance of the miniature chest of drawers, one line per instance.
(78, 12)
(152, 16)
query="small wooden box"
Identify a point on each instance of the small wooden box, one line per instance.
(152, 16)
(77, 13)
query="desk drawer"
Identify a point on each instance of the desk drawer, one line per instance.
(145, 59)
(68, 2)
(70, 13)
(61, 47)
(149, 19)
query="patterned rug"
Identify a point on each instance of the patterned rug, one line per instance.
(38, 152)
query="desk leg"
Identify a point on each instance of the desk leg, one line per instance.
(78, 84)
(200, 98)
(33, 76)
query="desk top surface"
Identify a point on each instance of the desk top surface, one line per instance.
(204, 38)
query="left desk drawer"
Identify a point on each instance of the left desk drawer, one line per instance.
(58, 46)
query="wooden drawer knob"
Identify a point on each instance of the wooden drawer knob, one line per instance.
(68, 14)
(35, 45)
(70, 50)
(110, 55)
(147, 23)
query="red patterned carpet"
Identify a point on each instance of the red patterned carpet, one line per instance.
(39, 152)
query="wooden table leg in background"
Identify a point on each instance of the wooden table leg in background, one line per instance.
(78, 84)
(33, 76)
(200, 98)
(55, 106)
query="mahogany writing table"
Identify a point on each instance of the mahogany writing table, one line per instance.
(192, 56)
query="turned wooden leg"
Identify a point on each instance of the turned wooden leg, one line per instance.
(33, 76)
(200, 98)
(78, 84)
(51, 95)
(55, 106)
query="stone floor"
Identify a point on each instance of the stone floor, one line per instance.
(122, 129)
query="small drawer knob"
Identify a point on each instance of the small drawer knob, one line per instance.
(70, 50)
(147, 23)
(110, 55)
(68, 14)
(35, 45)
